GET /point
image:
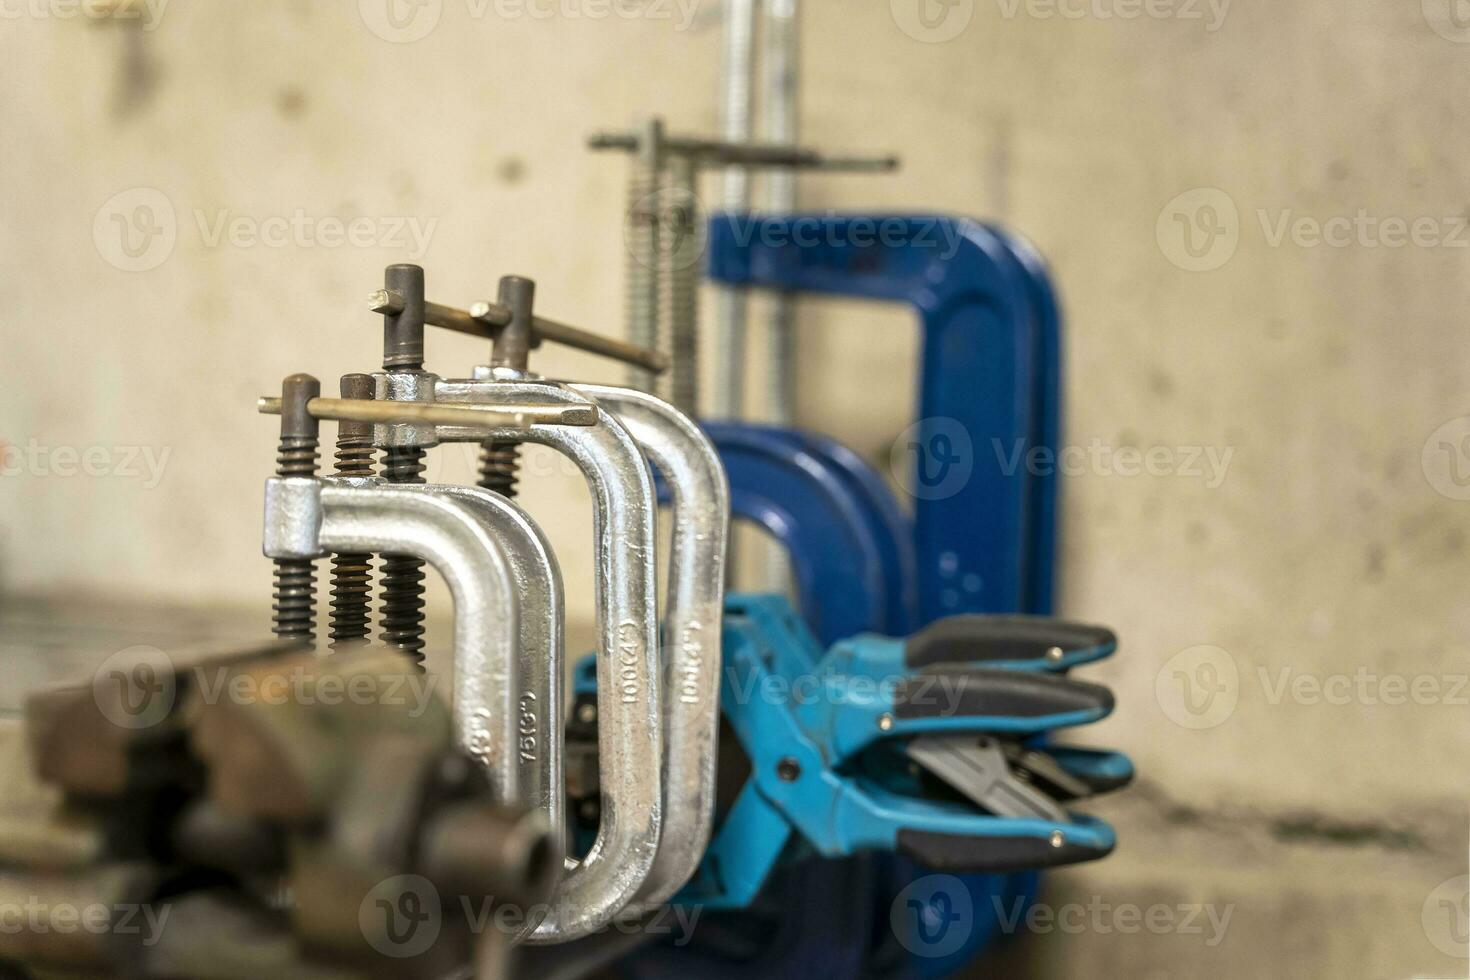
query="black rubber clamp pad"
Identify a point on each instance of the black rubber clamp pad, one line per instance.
(968, 639)
(990, 855)
(957, 691)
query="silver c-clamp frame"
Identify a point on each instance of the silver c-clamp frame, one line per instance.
(657, 722)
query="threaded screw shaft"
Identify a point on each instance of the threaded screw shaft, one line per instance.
(403, 575)
(294, 592)
(352, 573)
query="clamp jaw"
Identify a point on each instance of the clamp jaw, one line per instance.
(875, 745)
(188, 787)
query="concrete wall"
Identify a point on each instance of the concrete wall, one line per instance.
(1298, 553)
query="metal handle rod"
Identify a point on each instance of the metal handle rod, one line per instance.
(469, 416)
(486, 319)
(722, 153)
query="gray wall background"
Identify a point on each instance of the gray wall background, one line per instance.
(1308, 336)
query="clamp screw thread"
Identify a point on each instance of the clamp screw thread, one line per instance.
(403, 575)
(294, 591)
(352, 573)
(500, 459)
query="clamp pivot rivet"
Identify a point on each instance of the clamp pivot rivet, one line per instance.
(1055, 653)
(788, 769)
(1058, 838)
(885, 722)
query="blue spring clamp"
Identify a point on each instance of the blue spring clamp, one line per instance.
(908, 746)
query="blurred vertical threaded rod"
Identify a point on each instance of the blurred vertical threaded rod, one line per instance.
(294, 595)
(352, 573)
(642, 240)
(737, 70)
(780, 52)
(403, 576)
(679, 280)
(780, 86)
(500, 458)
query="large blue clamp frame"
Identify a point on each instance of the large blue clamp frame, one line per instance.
(989, 382)
(990, 371)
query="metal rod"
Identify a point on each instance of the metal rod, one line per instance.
(779, 64)
(643, 244)
(780, 68)
(487, 319)
(737, 70)
(679, 283)
(293, 608)
(465, 416)
(715, 153)
(594, 343)
(352, 571)
(403, 327)
(500, 458)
